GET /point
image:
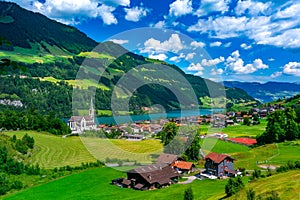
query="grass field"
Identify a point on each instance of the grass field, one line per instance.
(272, 154)
(245, 131)
(287, 185)
(54, 151)
(95, 184)
(141, 151)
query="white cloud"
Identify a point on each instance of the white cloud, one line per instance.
(116, 2)
(160, 56)
(212, 62)
(276, 74)
(160, 24)
(228, 44)
(208, 6)
(177, 58)
(271, 59)
(198, 44)
(245, 46)
(195, 67)
(266, 26)
(292, 68)
(200, 73)
(215, 44)
(236, 64)
(173, 44)
(215, 72)
(118, 41)
(106, 13)
(180, 8)
(252, 7)
(135, 14)
(190, 56)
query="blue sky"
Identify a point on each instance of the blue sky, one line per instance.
(243, 40)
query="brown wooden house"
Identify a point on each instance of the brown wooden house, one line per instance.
(152, 176)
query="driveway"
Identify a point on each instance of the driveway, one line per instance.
(190, 179)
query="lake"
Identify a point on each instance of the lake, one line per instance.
(172, 114)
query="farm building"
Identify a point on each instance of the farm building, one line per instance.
(219, 164)
(150, 177)
(166, 158)
(182, 166)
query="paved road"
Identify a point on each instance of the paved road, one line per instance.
(190, 179)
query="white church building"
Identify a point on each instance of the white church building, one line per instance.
(78, 124)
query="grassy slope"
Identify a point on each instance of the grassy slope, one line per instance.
(54, 151)
(243, 130)
(94, 184)
(140, 151)
(287, 185)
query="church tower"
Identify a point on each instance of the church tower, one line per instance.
(92, 112)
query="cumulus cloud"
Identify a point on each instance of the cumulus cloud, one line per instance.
(276, 74)
(215, 72)
(245, 46)
(135, 14)
(173, 44)
(208, 6)
(198, 44)
(160, 24)
(180, 7)
(190, 56)
(252, 7)
(212, 62)
(215, 44)
(160, 56)
(106, 13)
(195, 67)
(292, 68)
(118, 41)
(261, 22)
(236, 64)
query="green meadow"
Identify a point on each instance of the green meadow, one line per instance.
(95, 184)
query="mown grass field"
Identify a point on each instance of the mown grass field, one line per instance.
(144, 151)
(54, 151)
(271, 154)
(238, 130)
(95, 184)
(287, 185)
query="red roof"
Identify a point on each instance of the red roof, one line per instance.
(183, 165)
(246, 141)
(217, 158)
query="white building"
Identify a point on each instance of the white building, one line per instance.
(78, 124)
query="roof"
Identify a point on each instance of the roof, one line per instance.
(246, 141)
(126, 182)
(75, 119)
(167, 158)
(139, 186)
(183, 165)
(156, 173)
(217, 158)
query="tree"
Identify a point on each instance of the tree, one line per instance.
(193, 151)
(188, 194)
(168, 133)
(233, 186)
(250, 194)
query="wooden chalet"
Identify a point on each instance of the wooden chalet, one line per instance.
(166, 158)
(182, 166)
(151, 176)
(219, 164)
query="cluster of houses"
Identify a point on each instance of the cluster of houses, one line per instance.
(168, 167)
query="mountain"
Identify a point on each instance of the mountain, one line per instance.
(267, 92)
(55, 52)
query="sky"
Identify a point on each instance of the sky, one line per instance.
(232, 40)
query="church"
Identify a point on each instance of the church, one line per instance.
(78, 124)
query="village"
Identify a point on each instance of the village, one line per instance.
(170, 168)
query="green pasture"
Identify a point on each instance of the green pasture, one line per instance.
(54, 151)
(287, 185)
(144, 151)
(95, 184)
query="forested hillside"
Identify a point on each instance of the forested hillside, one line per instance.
(48, 49)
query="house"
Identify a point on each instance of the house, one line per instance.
(182, 166)
(152, 176)
(166, 158)
(219, 164)
(134, 137)
(78, 124)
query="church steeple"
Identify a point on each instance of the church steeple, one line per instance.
(91, 112)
